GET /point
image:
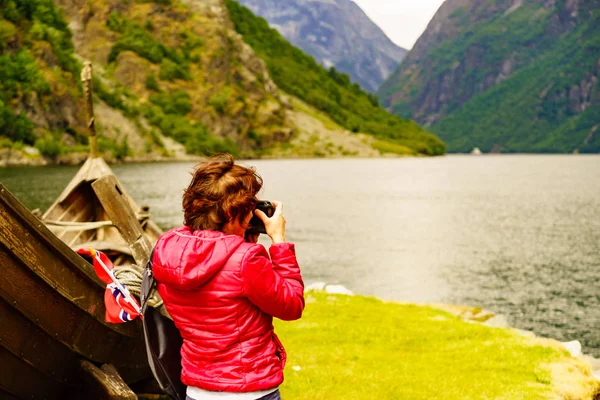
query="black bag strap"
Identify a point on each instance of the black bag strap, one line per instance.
(148, 283)
(163, 341)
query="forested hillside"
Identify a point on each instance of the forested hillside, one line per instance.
(171, 78)
(505, 76)
(167, 79)
(38, 89)
(328, 90)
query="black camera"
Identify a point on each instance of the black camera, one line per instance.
(256, 225)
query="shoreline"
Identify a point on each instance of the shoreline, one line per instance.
(30, 157)
(354, 347)
(476, 315)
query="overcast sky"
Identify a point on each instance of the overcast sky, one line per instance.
(402, 20)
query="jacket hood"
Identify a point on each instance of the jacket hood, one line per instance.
(186, 260)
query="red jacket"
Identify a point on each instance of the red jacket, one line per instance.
(222, 294)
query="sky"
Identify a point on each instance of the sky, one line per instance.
(402, 20)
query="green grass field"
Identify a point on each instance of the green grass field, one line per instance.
(354, 347)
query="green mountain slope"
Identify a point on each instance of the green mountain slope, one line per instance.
(165, 78)
(37, 70)
(171, 79)
(147, 87)
(329, 91)
(518, 76)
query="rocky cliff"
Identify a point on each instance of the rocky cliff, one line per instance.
(337, 33)
(189, 75)
(505, 75)
(172, 78)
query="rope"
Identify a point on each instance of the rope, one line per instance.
(131, 278)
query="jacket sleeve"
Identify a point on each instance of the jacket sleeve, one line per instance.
(274, 285)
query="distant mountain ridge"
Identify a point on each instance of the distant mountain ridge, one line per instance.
(337, 33)
(505, 76)
(173, 80)
(332, 92)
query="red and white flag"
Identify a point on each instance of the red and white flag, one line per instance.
(120, 305)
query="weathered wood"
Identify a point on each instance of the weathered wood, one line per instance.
(92, 169)
(82, 331)
(79, 191)
(116, 205)
(51, 312)
(22, 337)
(86, 78)
(80, 206)
(51, 302)
(120, 212)
(105, 382)
(23, 381)
(7, 396)
(60, 226)
(76, 226)
(16, 226)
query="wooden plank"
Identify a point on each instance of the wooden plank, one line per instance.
(117, 206)
(25, 382)
(82, 331)
(76, 225)
(7, 396)
(105, 382)
(32, 345)
(79, 206)
(57, 290)
(28, 238)
(92, 169)
(86, 78)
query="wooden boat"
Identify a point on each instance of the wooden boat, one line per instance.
(51, 302)
(52, 332)
(79, 218)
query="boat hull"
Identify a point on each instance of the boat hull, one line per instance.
(52, 313)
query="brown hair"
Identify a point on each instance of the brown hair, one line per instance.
(220, 191)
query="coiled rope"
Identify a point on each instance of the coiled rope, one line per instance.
(131, 278)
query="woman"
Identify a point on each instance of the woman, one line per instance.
(222, 289)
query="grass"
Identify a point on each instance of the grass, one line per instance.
(385, 147)
(362, 348)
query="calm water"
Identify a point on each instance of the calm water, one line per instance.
(519, 235)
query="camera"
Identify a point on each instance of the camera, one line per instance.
(256, 225)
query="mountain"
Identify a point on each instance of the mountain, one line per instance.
(505, 76)
(171, 79)
(337, 33)
(328, 90)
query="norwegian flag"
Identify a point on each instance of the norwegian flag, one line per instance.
(120, 305)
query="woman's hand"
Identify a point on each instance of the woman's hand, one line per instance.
(275, 226)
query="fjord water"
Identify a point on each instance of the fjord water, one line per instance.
(519, 235)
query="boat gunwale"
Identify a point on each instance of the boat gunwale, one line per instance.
(79, 264)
